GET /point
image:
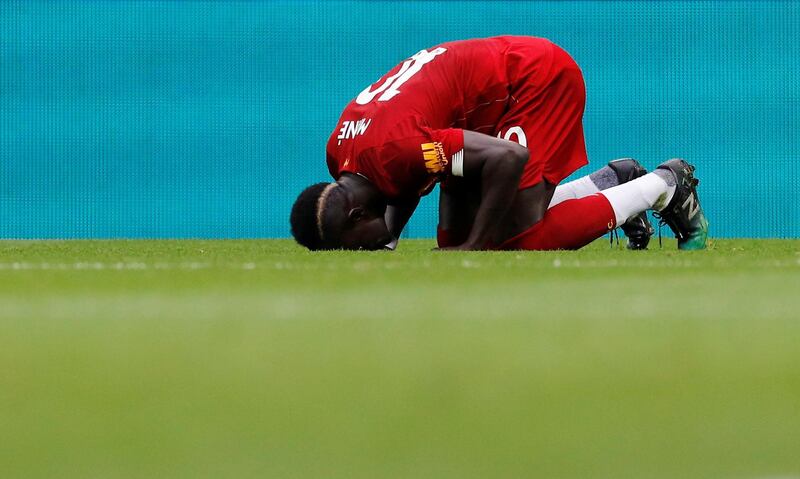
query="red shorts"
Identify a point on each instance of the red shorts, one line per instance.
(546, 111)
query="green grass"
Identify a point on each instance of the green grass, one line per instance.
(192, 359)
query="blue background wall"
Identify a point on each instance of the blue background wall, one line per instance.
(205, 119)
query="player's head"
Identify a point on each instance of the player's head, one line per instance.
(329, 216)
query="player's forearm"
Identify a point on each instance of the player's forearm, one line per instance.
(397, 216)
(500, 179)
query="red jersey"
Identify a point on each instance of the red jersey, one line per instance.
(403, 132)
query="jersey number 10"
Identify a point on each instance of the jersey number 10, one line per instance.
(390, 87)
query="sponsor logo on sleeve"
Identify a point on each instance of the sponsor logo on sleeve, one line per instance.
(435, 159)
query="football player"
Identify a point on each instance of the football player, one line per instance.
(498, 122)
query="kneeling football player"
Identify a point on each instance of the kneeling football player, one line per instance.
(498, 122)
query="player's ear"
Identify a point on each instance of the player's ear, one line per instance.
(356, 214)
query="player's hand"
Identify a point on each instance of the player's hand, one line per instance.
(461, 247)
(392, 245)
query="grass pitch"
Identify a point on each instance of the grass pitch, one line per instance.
(127, 359)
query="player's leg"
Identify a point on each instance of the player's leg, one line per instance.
(615, 173)
(637, 228)
(546, 117)
(670, 190)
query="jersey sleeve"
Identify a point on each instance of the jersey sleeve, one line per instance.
(411, 166)
(444, 153)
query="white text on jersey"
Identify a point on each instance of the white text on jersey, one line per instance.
(352, 128)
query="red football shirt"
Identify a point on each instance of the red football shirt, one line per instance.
(404, 131)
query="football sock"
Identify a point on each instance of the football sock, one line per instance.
(651, 191)
(583, 186)
(571, 224)
(605, 178)
(601, 179)
(667, 176)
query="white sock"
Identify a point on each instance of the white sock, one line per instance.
(575, 189)
(649, 192)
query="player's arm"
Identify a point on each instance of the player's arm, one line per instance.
(499, 165)
(397, 215)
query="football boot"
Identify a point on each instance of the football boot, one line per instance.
(637, 228)
(683, 214)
